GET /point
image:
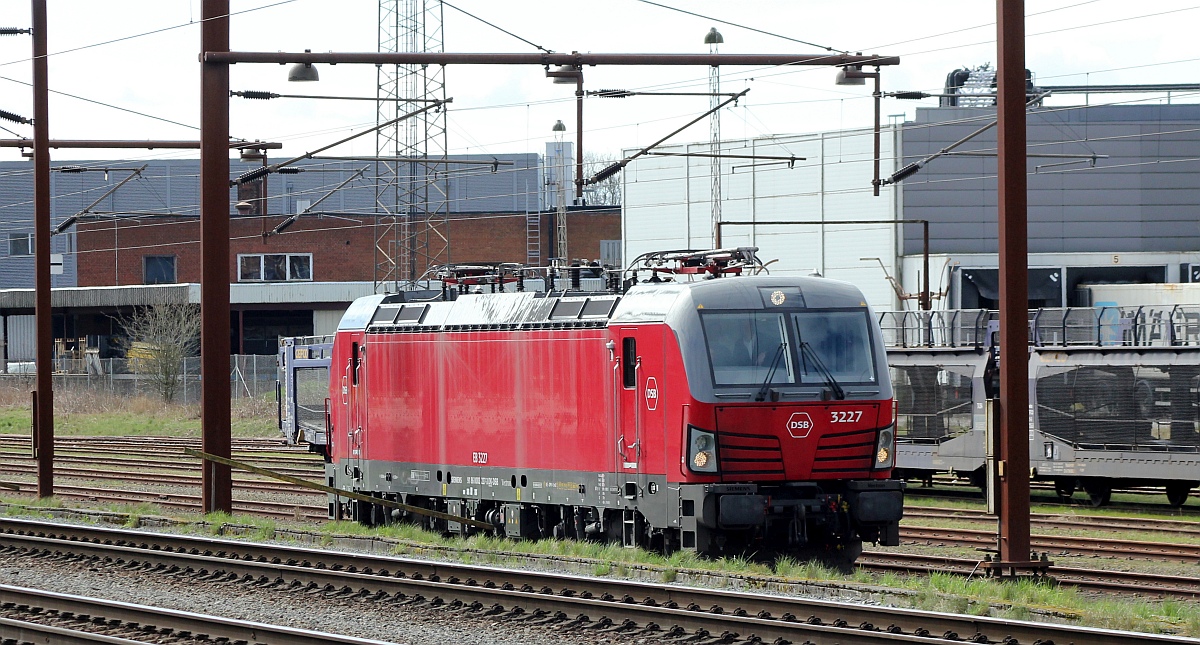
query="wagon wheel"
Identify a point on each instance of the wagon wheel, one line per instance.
(1064, 488)
(1177, 493)
(1099, 493)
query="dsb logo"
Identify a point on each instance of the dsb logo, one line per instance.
(799, 425)
(651, 393)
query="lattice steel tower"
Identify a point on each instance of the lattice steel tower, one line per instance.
(411, 192)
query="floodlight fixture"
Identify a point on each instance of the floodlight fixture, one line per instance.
(303, 72)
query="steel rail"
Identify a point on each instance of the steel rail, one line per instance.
(20, 631)
(188, 502)
(1107, 580)
(1062, 521)
(172, 465)
(159, 478)
(712, 612)
(969, 492)
(1059, 543)
(159, 623)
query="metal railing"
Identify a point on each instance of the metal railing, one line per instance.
(1144, 326)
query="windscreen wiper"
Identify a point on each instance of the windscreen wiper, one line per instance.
(762, 391)
(838, 392)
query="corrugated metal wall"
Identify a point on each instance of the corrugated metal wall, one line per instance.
(21, 337)
(1143, 197)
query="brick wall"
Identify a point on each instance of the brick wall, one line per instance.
(112, 252)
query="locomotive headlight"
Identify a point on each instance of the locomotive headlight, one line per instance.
(885, 448)
(702, 454)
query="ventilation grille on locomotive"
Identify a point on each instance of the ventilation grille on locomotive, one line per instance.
(845, 453)
(753, 455)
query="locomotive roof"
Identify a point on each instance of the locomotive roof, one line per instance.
(643, 302)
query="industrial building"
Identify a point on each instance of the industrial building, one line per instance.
(1114, 197)
(126, 229)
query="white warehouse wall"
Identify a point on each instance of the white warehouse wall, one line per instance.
(667, 205)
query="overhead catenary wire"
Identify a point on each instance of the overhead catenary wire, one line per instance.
(748, 28)
(863, 190)
(1099, 23)
(1125, 19)
(497, 28)
(1138, 135)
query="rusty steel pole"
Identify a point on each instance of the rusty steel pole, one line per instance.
(43, 396)
(1013, 418)
(574, 59)
(216, 479)
(578, 142)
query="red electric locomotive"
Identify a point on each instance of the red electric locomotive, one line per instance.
(692, 410)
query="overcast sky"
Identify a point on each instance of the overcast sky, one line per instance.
(140, 56)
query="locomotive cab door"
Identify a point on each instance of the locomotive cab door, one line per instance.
(627, 378)
(354, 402)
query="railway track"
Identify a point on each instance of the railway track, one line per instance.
(1067, 545)
(33, 615)
(262, 443)
(240, 481)
(657, 612)
(1068, 522)
(185, 501)
(174, 461)
(1085, 579)
(1046, 498)
(38, 616)
(1095, 580)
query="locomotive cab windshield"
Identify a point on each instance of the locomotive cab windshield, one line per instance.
(800, 349)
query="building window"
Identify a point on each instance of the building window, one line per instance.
(20, 243)
(158, 269)
(275, 267)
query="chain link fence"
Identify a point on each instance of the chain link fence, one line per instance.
(250, 376)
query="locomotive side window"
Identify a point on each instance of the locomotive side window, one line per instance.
(354, 363)
(747, 348)
(841, 341)
(629, 362)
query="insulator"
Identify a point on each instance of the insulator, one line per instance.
(256, 94)
(290, 170)
(607, 172)
(904, 172)
(15, 118)
(911, 95)
(253, 174)
(13, 31)
(613, 94)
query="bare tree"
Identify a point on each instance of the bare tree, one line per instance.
(607, 192)
(159, 337)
